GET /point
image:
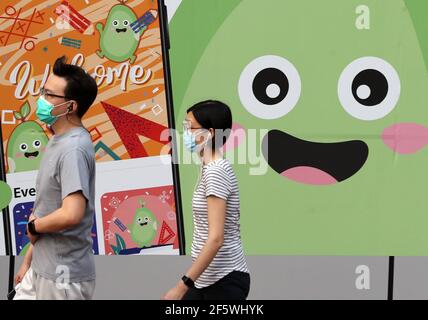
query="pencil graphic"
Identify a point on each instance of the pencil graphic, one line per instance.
(144, 21)
(69, 42)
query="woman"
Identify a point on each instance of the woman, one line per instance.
(219, 269)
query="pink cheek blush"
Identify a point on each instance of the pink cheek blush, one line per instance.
(237, 135)
(405, 138)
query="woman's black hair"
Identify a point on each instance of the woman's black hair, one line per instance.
(214, 114)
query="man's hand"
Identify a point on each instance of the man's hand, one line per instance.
(21, 272)
(26, 264)
(33, 238)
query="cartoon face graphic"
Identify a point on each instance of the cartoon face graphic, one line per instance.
(343, 109)
(26, 144)
(144, 227)
(119, 38)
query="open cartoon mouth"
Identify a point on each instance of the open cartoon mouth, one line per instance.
(313, 162)
(31, 154)
(121, 30)
(143, 224)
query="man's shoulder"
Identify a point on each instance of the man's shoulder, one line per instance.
(78, 142)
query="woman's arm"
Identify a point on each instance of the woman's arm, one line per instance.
(216, 220)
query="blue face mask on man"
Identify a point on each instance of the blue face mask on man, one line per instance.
(44, 111)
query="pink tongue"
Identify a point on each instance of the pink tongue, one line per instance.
(309, 175)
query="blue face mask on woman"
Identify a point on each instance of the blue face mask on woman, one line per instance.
(44, 111)
(190, 141)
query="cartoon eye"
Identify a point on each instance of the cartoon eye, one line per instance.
(115, 23)
(146, 219)
(139, 220)
(369, 88)
(37, 144)
(125, 23)
(269, 87)
(23, 147)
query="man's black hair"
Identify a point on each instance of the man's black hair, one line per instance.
(80, 87)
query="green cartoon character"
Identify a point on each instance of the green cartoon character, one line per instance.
(120, 37)
(5, 194)
(337, 92)
(144, 226)
(26, 144)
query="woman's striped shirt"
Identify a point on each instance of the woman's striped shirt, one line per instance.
(218, 179)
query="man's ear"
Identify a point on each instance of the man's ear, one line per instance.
(72, 107)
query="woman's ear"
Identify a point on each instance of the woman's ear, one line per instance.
(211, 137)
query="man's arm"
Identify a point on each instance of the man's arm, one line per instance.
(68, 216)
(25, 265)
(74, 177)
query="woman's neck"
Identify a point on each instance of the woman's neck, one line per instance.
(210, 156)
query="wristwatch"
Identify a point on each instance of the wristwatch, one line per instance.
(188, 282)
(32, 228)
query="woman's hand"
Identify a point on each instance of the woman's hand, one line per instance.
(176, 293)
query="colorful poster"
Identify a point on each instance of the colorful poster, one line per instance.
(21, 212)
(330, 118)
(137, 220)
(119, 43)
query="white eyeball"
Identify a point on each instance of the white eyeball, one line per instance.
(269, 87)
(37, 144)
(23, 147)
(369, 88)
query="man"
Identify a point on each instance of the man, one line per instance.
(59, 263)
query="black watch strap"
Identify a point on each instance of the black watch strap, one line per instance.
(32, 228)
(188, 282)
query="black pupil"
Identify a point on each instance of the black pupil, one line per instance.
(377, 83)
(267, 77)
(37, 143)
(24, 146)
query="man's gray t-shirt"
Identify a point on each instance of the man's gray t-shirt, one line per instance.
(68, 166)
